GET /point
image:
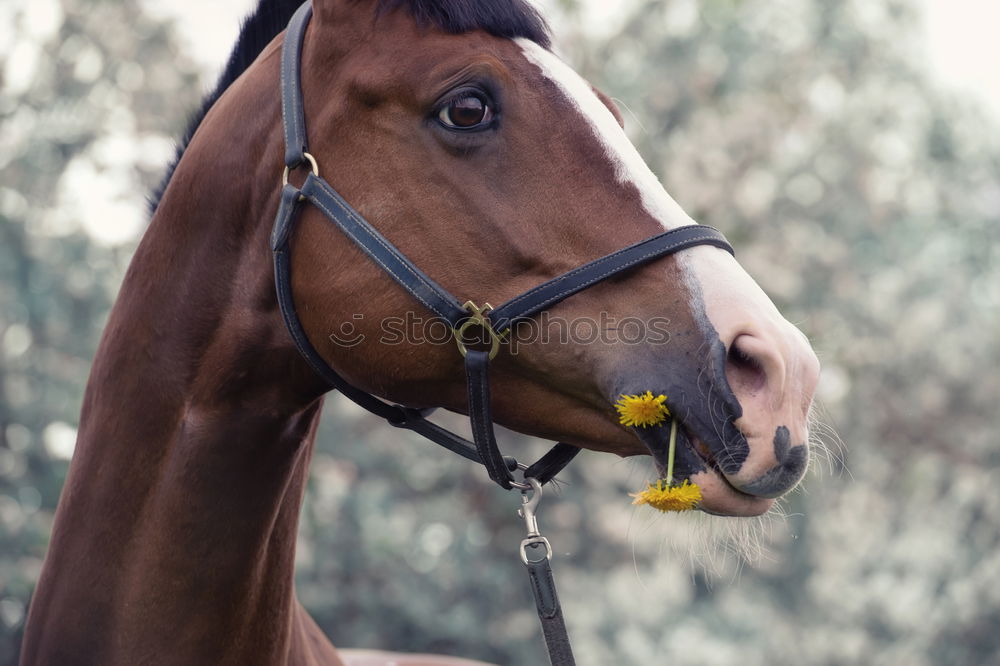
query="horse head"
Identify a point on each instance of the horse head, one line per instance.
(494, 166)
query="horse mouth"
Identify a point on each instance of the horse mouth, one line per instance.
(696, 462)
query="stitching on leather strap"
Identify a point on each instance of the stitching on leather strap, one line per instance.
(389, 248)
(665, 250)
(621, 267)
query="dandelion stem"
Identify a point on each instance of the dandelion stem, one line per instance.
(671, 451)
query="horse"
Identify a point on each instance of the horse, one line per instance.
(489, 162)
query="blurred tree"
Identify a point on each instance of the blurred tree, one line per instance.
(86, 112)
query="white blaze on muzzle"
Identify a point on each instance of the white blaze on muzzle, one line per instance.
(725, 300)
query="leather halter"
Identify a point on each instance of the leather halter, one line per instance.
(535, 550)
(496, 321)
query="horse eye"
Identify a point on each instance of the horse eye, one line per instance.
(466, 112)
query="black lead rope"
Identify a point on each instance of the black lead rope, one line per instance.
(463, 318)
(536, 552)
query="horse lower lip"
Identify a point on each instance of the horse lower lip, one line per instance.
(723, 498)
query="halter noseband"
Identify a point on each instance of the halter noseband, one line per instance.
(494, 321)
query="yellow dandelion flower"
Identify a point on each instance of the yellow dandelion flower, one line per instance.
(642, 410)
(666, 497)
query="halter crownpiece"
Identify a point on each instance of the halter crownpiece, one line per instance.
(496, 322)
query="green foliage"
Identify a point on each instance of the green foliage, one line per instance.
(863, 200)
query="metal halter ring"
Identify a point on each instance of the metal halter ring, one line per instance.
(312, 165)
(523, 485)
(478, 318)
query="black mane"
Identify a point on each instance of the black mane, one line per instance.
(502, 18)
(256, 32)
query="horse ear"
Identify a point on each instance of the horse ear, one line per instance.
(612, 107)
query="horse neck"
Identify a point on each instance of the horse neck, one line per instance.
(182, 499)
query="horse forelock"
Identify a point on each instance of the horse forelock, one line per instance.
(502, 18)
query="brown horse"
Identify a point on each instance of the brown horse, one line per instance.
(493, 166)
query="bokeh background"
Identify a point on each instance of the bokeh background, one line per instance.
(850, 151)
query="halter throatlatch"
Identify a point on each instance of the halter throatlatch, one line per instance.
(462, 318)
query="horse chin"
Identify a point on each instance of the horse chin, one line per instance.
(694, 462)
(719, 498)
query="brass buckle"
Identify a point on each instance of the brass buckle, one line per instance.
(480, 319)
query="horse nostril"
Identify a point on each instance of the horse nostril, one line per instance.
(743, 370)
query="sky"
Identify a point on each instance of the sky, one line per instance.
(960, 40)
(963, 48)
